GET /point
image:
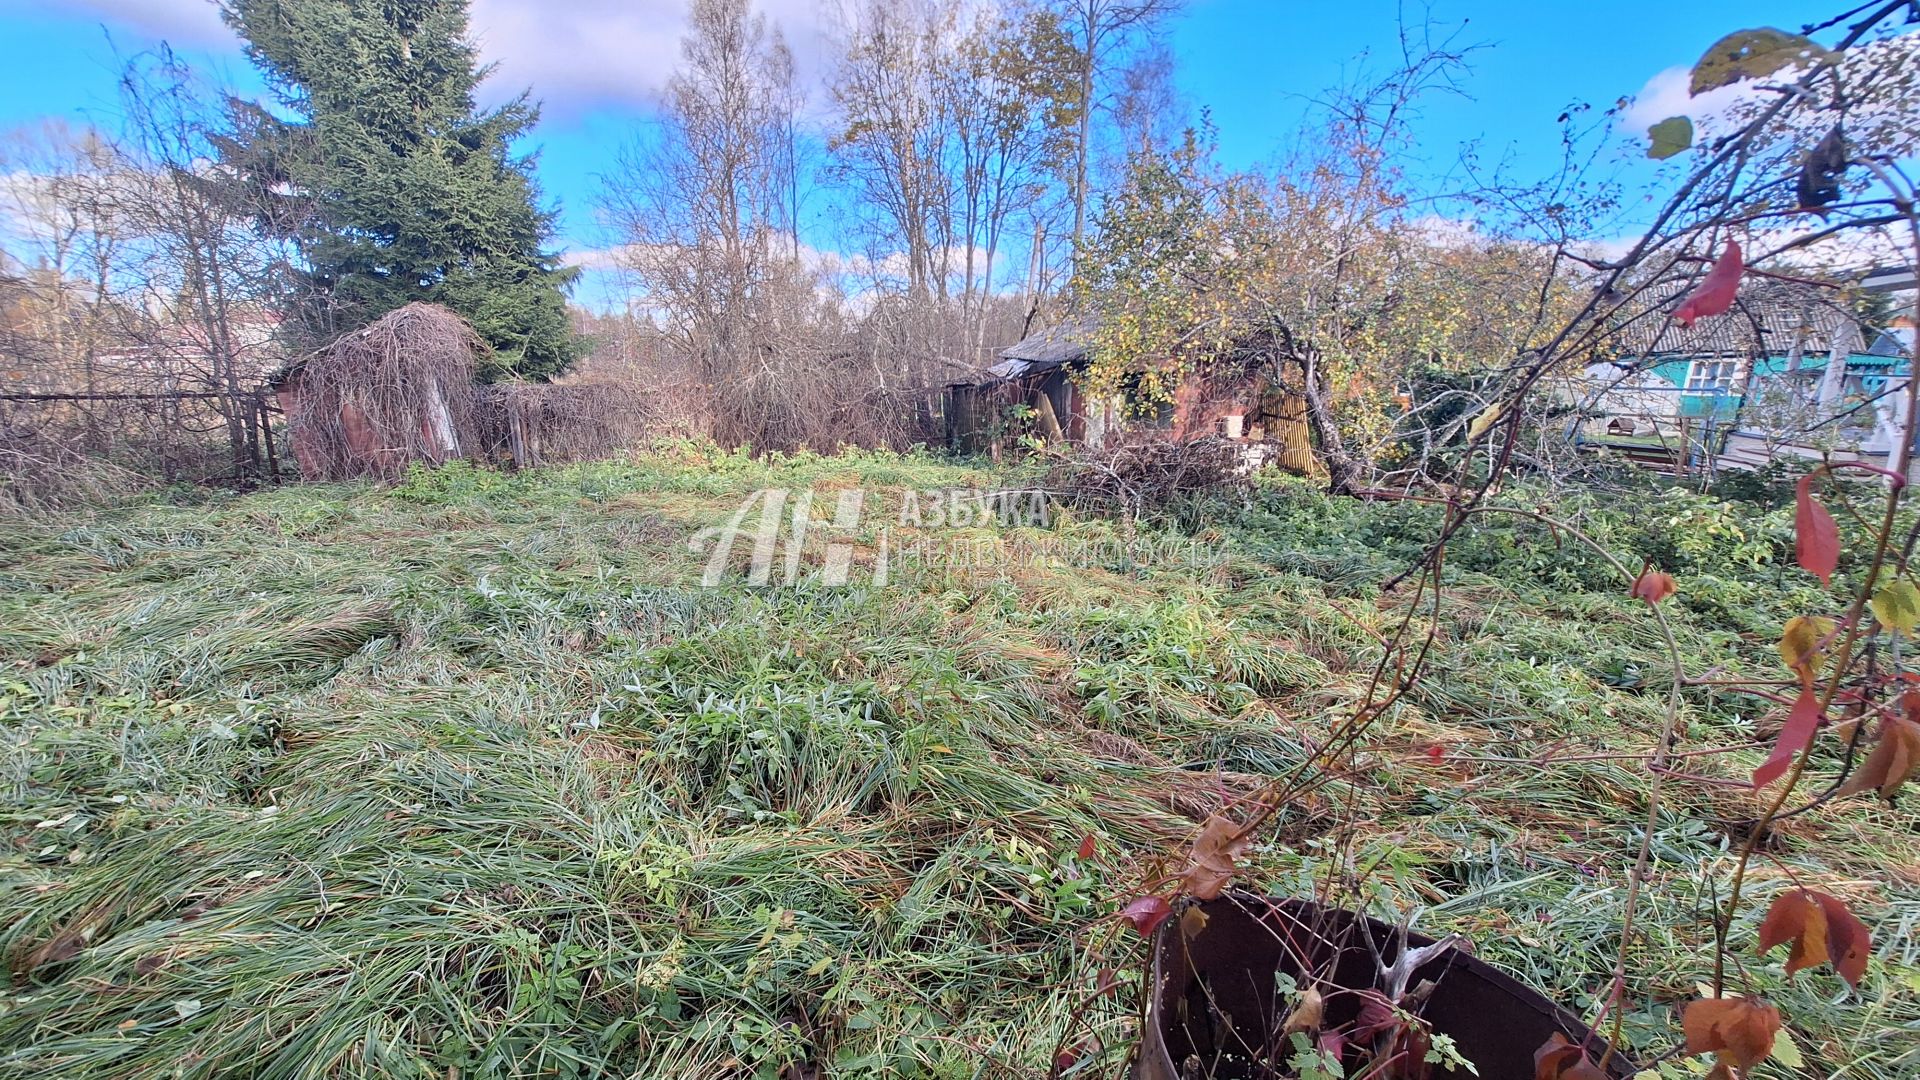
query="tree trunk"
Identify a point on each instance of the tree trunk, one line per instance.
(1343, 470)
(1081, 151)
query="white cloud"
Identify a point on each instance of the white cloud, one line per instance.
(585, 53)
(1852, 250)
(581, 53)
(600, 259)
(574, 54)
(181, 22)
(1446, 232)
(1669, 94)
(1610, 249)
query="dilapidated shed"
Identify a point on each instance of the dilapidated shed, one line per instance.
(1033, 388)
(1036, 372)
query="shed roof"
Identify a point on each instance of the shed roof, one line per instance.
(1057, 346)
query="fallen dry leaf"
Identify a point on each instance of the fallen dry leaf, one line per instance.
(1893, 761)
(1561, 1059)
(1308, 1015)
(1211, 864)
(1739, 1030)
(1192, 922)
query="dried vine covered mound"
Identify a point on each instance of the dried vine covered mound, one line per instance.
(396, 391)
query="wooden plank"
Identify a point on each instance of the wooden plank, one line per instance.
(1049, 423)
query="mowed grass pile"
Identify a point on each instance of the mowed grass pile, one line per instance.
(472, 777)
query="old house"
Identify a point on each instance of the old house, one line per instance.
(1033, 390)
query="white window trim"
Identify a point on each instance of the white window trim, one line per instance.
(1718, 375)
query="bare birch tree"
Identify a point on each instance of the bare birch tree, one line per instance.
(707, 211)
(1103, 33)
(953, 124)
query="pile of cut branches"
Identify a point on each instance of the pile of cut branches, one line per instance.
(1136, 474)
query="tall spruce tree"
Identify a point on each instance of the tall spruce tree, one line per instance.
(395, 186)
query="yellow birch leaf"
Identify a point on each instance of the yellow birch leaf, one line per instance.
(1897, 606)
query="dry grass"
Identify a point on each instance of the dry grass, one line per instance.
(470, 776)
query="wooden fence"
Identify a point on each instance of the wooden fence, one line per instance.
(54, 445)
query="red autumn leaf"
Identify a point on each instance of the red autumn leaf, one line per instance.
(1652, 586)
(1798, 733)
(1739, 1030)
(1394, 1036)
(1211, 863)
(1816, 539)
(1069, 1057)
(1105, 982)
(1716, 291)
(1560, 1059)
(1797, 917)
(1377, 1017)
(1895, 757)
(1146, 913)
(1086, 847)
(1333, 1044)
(1849, 942)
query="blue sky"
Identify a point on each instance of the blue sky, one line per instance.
(1254, 65)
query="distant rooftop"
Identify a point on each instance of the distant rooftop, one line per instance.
(1768, 318)
(1888, 279)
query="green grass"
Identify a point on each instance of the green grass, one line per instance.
(471, 777)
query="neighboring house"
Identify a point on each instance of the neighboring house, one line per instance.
(1787, 373)
(184, 356)
(1032, 390)
(1896, 339)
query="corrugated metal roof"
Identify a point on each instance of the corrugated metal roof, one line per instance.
(1766, 318)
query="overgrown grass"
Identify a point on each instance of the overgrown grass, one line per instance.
(470, 776)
